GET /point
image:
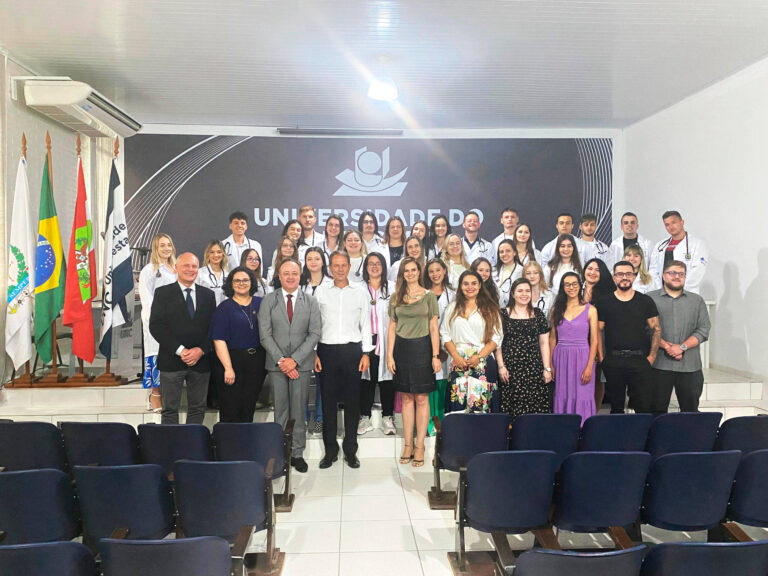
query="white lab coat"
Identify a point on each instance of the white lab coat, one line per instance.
(617, 249)
(596, 249)
(443, 300)
(382, 317)
(149, 281)
(481, 249)
(504, 283)
(207, 277)
(234, 252)
(691, 251)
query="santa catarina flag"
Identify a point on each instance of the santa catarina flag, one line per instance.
(50, 269)
(81, 281)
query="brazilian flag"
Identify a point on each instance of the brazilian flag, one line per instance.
(50, 269)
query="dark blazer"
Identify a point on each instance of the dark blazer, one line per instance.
(171, 326)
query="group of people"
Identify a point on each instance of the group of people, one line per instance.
(440, 322)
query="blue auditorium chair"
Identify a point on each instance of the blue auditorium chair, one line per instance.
(556, 432)
(37, 506)
(135, 500)
(100, 443)
(745, 433)
(458, 438)
(707, 559)
(540, 562)
(203, 556)
(689, 491)
(259, 442)
(31, 446)
(230, 500)
(164, 444)
(47, 559)
(505, 493)
(601, 492)
(615, 432)
(683, 432)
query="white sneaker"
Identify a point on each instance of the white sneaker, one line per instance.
(364, 426)
(388, 425)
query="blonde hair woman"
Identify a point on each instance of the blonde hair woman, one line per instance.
(541, 296)
(160, 271)
(214, 270)
(455, 259)
(644, 282)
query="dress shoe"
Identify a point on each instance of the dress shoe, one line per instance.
(328, 461)
(352, 461)
(299, 464)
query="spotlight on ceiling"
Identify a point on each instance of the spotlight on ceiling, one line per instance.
(383, 89)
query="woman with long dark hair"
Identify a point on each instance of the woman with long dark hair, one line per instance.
(251, 260)
(413, 348)
(286, 250)
(524, 370)
(334, 232)
(597, 280)
(394, 240)
(524, 245)
(573, 340)
(565, 259)
(483, 267)
(507, 270)
(413, 248)
(368, 227)
(470, 332)
(439, 229)
(315, 271)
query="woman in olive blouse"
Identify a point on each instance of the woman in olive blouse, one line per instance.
(413, 314)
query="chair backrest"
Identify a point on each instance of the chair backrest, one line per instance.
(37, 506)
(510, 491)
(100, 443)
(615, 432)
(134, 497)
(600, 489)
(683, 432)
(541, 562)
(745, 433)
(255, 441)
(466, 435)
(163, 444)
(749, 499)
(45, 559)
(689, 491)
(556, 432)
(31, 446)
(710, 559)
(218, 498)
(204, 556)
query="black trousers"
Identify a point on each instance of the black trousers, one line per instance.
(237, 402)
(341, 383)
(688, 387)
(630, 374)
(368, 391)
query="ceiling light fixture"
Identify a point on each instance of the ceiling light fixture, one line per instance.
(382, 89)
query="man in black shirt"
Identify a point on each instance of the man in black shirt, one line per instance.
(627, 317)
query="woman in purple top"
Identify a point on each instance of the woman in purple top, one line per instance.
(573, 342)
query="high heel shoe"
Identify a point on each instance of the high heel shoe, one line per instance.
(407, 449)
(418, 463)
(150, 408)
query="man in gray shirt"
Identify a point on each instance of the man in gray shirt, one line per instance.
(684, 326)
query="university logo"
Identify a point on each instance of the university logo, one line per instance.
(369, 178)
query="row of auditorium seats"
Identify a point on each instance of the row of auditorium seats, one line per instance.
(229, 500)
(462, 436)
(38, 445)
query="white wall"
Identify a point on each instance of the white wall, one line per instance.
(707, 157)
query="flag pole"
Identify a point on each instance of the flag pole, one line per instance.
(109, 378)
(25, 380)
(53, 377)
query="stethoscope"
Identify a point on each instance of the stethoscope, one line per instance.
(212, 277)
(479, 242)
(540, 303)
(666, 242)
(327, 251)
(508, 283)
(360, 267)
(228, 245)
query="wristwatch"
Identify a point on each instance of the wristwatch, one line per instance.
(683, 347)
(547, 369)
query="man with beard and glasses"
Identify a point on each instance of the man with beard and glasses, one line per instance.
(626, 317)
(684, 327)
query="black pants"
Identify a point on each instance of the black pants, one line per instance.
(630, 374)
(341, 383)
(688, 387)
(237, 402)
(368, 391)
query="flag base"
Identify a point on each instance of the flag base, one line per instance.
(23, 381)
(109, 379)
(52, 379)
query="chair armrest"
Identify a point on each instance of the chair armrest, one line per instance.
(120, 533)
(289, 428)
(242, 540)
(269, 470)
(503, 550)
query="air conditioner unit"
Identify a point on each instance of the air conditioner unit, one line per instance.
(77, 106)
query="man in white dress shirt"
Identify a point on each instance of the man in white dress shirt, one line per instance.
(475, 246)
(237, 243)
(629, 236)
(342, 356)
(564, 225)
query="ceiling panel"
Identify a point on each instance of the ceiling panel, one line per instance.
(480, 64)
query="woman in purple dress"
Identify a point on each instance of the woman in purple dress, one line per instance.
(573, 340)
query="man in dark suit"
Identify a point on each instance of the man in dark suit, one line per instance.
(179, 321)
(289, 330)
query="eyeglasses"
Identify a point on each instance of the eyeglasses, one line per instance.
(571, 285)
(675, 274)
(624, 274)
(251, 259)
(241, 281)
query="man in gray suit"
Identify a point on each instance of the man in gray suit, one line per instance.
(289, 330)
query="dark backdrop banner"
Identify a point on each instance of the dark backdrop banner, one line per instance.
(186, 186)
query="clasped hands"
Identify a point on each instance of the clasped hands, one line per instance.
(190, 356)
(288, 367)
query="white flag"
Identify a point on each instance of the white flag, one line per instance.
(21, 274)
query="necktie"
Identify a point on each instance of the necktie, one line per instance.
(190, 303)
(290, 308)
